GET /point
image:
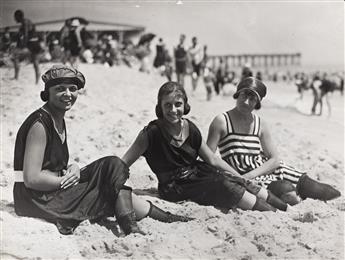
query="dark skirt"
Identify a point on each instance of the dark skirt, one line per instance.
(92, 198)
(206, 185)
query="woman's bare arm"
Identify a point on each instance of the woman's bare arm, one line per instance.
(211, 158)
(136, 149)
(34, 178)
(270, 151)
(216, 131)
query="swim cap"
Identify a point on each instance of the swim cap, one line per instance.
(63, 74)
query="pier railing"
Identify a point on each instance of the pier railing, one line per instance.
(257, 60)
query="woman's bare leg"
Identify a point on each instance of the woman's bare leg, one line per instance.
(247, 202)
(141, 206)
(251, 202)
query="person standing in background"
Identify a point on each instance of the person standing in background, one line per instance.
(196, 56)
(246, 71)
(180, 55)
(28, 45)
(160, 54)
(64, 40)
(220, 76)
(75, 43)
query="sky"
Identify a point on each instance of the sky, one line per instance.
(314, 28)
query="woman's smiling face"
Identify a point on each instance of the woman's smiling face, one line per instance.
(173, 107)
(63, 96)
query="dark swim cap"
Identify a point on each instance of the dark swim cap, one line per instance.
(254, 85)
(63, 74)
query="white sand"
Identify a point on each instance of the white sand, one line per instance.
(118, 103)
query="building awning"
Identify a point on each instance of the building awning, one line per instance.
(56, 25)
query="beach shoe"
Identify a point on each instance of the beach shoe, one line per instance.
(165, 216)
(128, 224)
(66, 227)
(309, 188)
(125, 214)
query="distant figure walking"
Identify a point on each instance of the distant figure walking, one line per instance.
(28, 45)
(302, 83)
(162, 61)
(321, 92)
(74, 43)
(209, 81)
(160, 54)
(196, 57)
(143, 52)
(220, 76)
(180, 54)
(246, 71)
(64, 40)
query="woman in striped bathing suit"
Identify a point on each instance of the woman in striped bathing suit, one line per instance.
(245, 143)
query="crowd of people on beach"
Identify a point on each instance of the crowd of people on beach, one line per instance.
(75, 44)
(322, 86)
(248, 174)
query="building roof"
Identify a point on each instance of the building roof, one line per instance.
(56, 25)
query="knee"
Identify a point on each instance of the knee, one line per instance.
(284, 190)
(114, 162)
(247, 201)
(281, 187)
(290, 198)
(111, 160)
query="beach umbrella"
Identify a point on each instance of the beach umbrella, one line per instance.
(147, 37)
(80, 19)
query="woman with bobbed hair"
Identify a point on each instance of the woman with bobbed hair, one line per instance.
(244, 142)
(171, 145)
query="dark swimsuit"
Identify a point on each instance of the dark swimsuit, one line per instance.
(182, 177)
(92, 198)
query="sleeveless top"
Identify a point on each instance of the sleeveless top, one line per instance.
(163, 157)
(242, 151)
(56, 152)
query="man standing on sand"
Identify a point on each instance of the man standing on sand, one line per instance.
(180, 55)
(75, 43)
(28, 45)
(196, 56)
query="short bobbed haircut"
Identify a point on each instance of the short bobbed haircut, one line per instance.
(165, 90)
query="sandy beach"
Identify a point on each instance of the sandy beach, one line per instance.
(105, 120)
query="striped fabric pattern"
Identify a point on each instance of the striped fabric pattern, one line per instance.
(244, 153)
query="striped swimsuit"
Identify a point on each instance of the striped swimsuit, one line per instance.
(244, 153)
